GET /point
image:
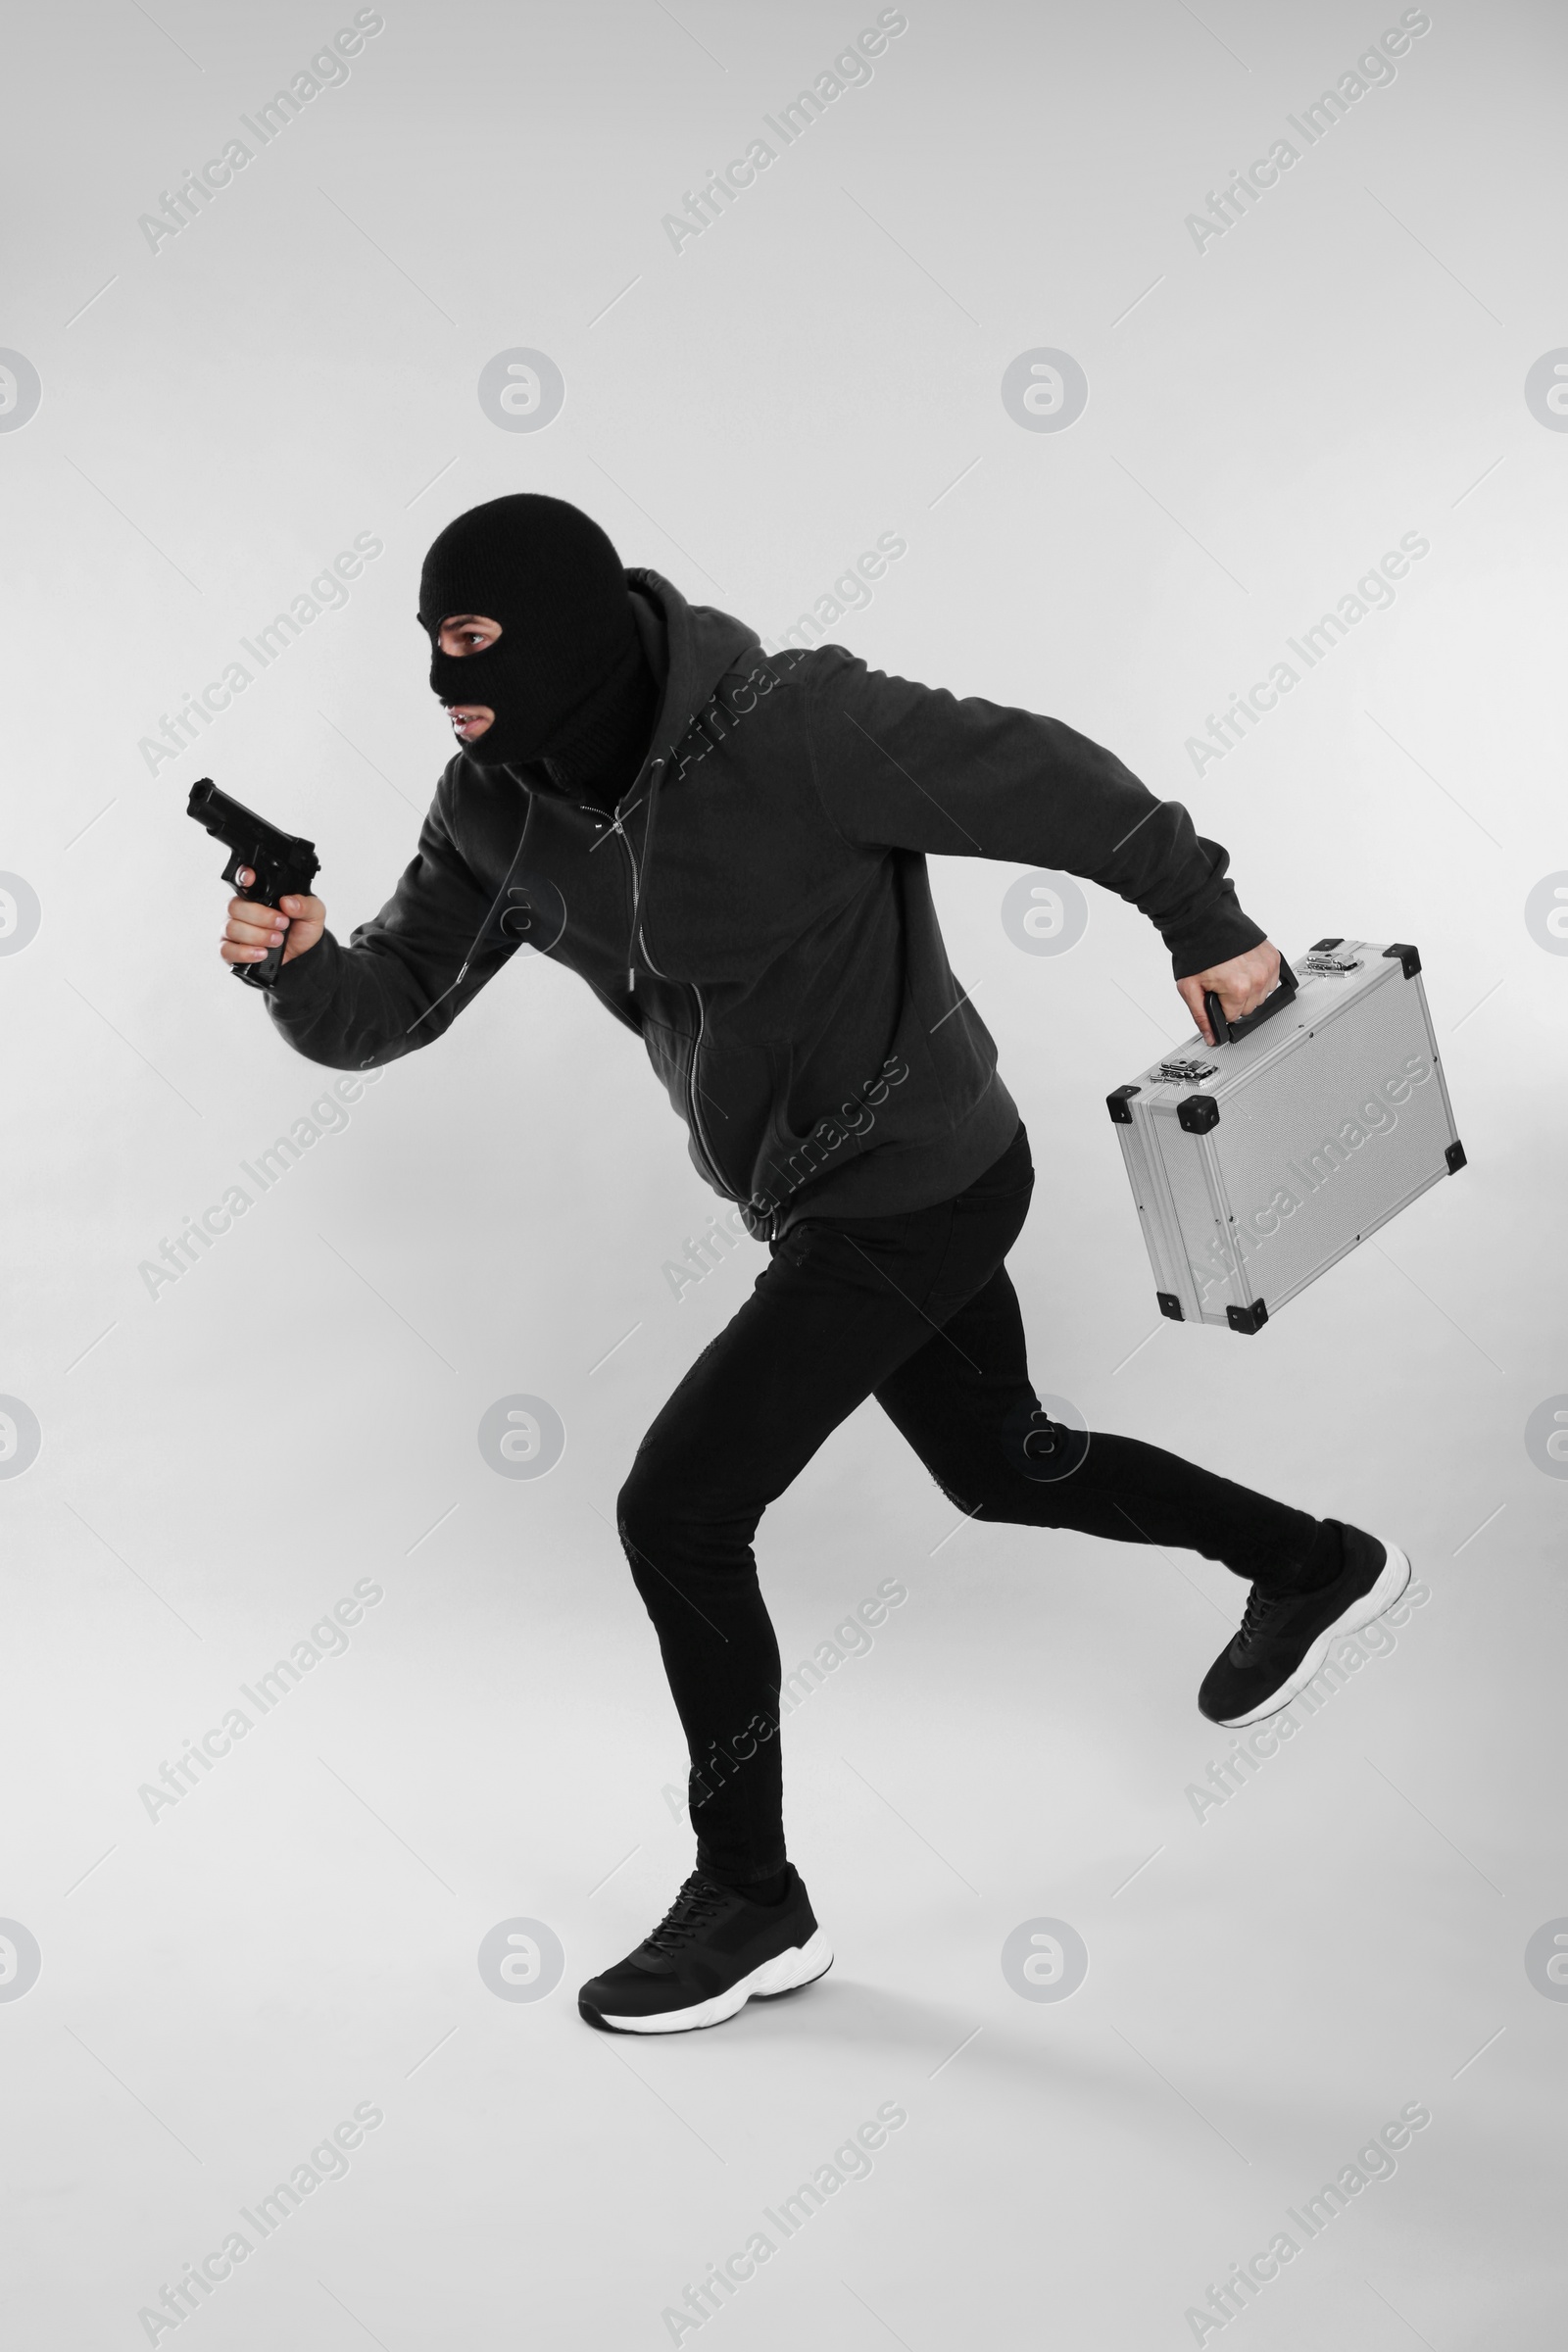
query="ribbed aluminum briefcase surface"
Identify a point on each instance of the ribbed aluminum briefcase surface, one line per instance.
(1256, 1163)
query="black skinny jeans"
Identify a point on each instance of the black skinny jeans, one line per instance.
(917, 1311)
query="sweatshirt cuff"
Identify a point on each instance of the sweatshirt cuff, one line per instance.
(1224, 932)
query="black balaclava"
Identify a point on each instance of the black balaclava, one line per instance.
(568, 678)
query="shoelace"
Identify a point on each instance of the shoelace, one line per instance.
(1261, 1606)
(698, 1901)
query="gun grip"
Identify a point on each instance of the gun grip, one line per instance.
(263, 975)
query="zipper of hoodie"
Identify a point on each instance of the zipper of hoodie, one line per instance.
(611, 819)
(694, 1114)
(704, 1150)
(638, 939)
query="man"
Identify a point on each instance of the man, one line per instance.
(729, 847)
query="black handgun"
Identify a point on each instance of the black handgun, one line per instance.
(282, 863)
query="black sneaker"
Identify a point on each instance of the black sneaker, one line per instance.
(1284, 1636)
(713, 1951)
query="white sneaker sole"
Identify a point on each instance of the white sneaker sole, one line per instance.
(800, 1964)
(1393, 1578)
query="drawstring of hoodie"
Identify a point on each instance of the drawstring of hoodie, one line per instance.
(483, 927)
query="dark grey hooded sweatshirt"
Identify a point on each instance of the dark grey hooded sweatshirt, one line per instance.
(757, 906)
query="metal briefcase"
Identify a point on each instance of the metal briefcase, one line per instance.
(1257, 1163)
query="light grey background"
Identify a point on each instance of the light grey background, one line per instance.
(1266, 1984)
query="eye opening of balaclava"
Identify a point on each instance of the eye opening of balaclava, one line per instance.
(568, 678)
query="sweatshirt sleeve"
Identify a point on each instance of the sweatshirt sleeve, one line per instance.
(901, 765)
(401, 978)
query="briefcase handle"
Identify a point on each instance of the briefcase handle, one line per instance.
(1226, 1032)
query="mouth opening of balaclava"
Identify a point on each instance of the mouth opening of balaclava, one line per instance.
(568, 678)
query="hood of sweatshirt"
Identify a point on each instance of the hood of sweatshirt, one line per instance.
(689, 649)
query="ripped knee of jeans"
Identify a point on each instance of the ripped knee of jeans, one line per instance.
(959, 1501)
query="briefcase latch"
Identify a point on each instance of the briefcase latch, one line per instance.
(1336, 964)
